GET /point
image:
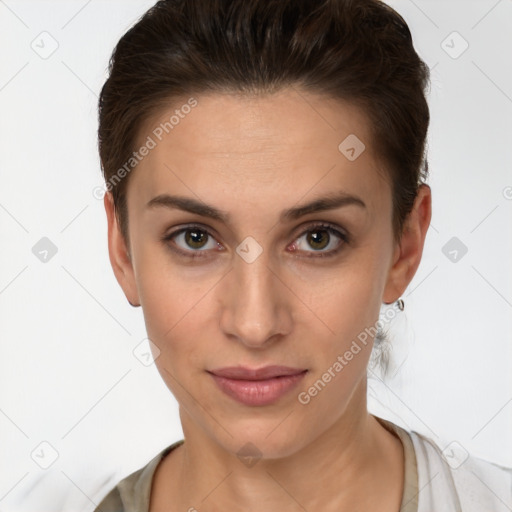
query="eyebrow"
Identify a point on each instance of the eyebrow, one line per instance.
(329, 202)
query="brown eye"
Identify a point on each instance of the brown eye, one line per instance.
(195, 238)
(322, 239)
(192, 242)
(318, 239)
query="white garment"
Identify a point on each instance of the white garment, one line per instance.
(441, 484)
(453, 482)
(474, 486)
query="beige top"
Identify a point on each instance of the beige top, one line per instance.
(132, 493)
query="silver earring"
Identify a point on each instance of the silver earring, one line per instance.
(400, 304)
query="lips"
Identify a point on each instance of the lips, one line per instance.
(259, 386)
(265, 373)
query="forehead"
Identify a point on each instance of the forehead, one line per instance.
(288, 141)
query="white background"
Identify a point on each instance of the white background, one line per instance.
(68, 376)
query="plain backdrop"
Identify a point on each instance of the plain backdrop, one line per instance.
(78, 409)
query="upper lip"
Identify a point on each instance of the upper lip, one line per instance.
(267, 372)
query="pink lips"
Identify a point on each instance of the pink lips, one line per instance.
(254, 387)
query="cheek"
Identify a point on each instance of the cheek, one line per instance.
(342, 302)
(172, 324)
(339, 355)
(339, 324)
(172, 318)
(179, 316)
(169, 292)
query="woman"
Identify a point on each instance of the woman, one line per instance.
(265, 169)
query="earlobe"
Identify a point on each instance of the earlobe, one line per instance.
(407, 255)
(119, 255)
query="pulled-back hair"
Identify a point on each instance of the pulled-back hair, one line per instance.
(360, 51)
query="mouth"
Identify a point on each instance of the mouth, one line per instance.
(257, 387)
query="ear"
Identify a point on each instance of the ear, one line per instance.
(118, 253)
(408, 252)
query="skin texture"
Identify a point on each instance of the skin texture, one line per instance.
(253, 157)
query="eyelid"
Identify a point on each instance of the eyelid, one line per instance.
(310, 226)
(327, 226)
(302, 230)
(168, 236)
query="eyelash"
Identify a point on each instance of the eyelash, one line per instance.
(312, 228)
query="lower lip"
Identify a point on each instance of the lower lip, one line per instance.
(258, 392)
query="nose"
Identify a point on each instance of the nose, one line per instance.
(255, 304)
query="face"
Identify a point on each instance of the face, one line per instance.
(242, 273)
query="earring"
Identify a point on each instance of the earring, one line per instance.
(400, 304)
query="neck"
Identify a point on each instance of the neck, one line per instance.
(355, 463)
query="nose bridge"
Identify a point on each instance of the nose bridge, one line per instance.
(253, 307)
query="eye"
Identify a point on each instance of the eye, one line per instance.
(191, 239)
(319, 240)
(322, 239)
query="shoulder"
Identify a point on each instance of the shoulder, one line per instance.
(451, 479)
(132, 493)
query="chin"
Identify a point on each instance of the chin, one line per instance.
(262, 440)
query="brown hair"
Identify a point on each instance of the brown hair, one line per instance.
(355, 50)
